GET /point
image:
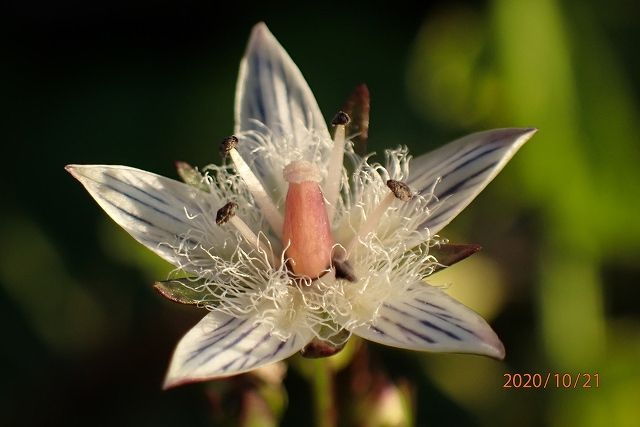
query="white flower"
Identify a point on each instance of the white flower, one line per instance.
(265, 235)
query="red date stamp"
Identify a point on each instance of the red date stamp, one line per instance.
(552, 380)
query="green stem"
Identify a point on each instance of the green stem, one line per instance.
(323, 394)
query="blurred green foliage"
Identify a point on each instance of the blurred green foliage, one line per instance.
(146, 84)
(549, 64)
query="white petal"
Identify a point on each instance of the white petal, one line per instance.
(152, 208)
(221, 345)
(430, 320)
(271, 89)
(459, 171)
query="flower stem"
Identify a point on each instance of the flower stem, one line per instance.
(323, 394)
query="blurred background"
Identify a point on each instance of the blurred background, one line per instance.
(86, 339)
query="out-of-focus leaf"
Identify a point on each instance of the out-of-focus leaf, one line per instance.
(449, 79)
(183, 291)
(64, 315)
(256, 412)
(357, 107)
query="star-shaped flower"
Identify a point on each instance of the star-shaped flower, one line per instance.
(290, 245)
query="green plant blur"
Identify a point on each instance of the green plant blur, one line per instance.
(87, 340)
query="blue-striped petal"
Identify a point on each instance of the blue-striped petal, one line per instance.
(221, 345)
(459, 171)
(272, 90)
(155, 210)
(430, 320)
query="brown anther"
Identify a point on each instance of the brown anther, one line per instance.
(344, 270)
(341, 118)
(228, 144)
(400, 190)
(226, 212)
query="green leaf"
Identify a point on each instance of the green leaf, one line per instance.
(186, 290)
(192, 176)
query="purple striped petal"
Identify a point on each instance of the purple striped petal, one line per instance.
(155, 210)
(272, 90)
(430, 320)
(221, 345)
(459, 171)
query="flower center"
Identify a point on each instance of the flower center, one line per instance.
(306, 232)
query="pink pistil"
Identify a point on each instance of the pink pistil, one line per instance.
(306, 228)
